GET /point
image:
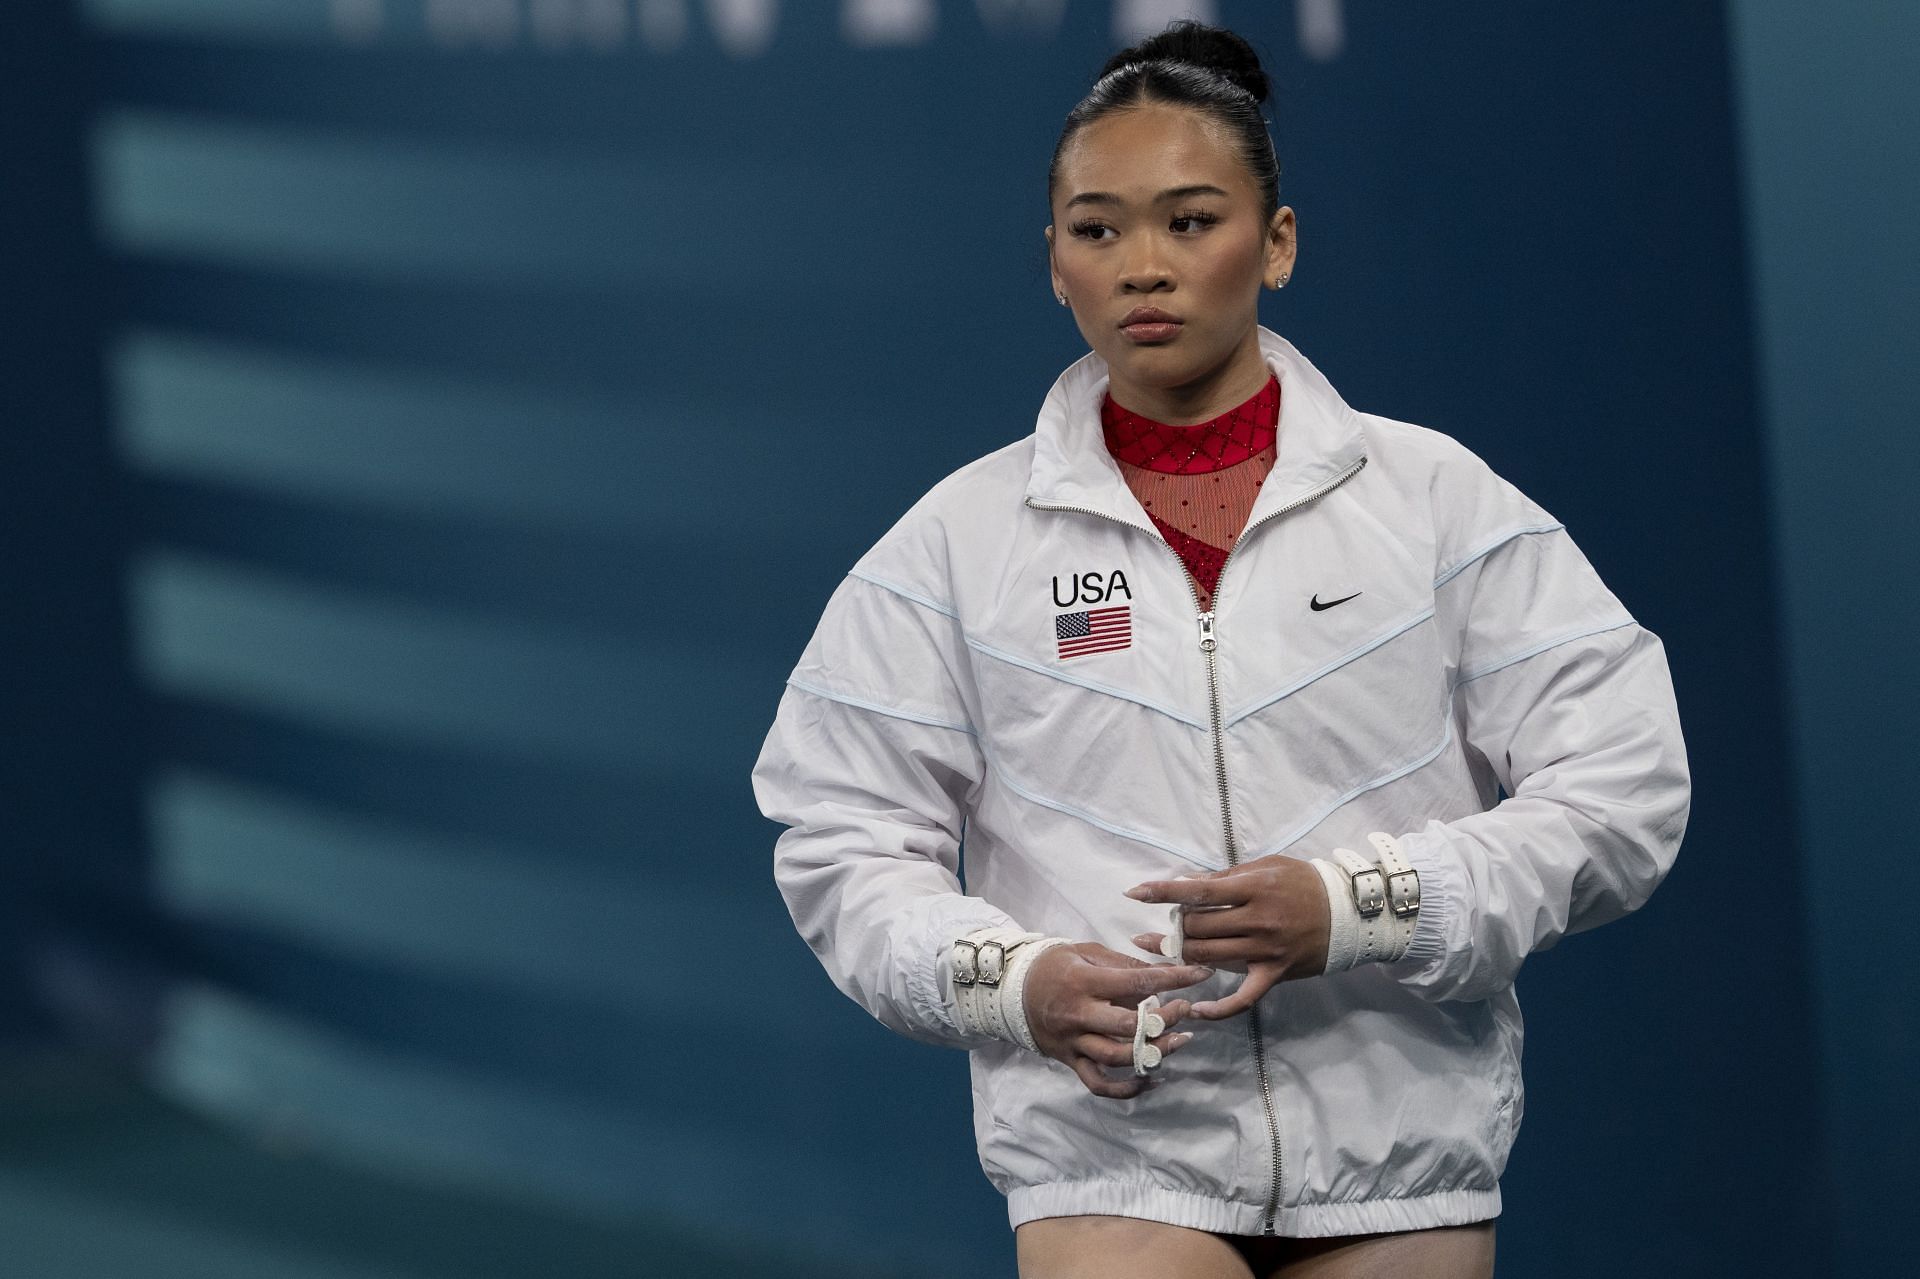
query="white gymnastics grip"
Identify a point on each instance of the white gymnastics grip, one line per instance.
(1147, 1024)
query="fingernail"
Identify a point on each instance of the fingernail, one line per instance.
(1139, 894)
(1182, 1038)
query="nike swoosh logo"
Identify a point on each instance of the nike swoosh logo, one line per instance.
(1317, 606)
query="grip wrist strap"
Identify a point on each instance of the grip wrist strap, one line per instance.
(989, 968)
(1374, 906)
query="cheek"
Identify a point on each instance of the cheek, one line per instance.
(1074, 264)
(1236, 269)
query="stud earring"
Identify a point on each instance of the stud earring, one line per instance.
(1061, 298)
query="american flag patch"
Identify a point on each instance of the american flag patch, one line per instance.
(1094, 632)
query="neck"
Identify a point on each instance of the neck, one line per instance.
(1233, 382)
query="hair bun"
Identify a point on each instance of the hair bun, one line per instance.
(1215, 48)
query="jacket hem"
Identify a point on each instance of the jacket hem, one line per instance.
(1225, 1217)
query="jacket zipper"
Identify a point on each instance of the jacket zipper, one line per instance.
(1209, 643)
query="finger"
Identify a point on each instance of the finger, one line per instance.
(1118, 1054)
(1106, 963)
(1103, 957)
(1100, 957)
(1223, 891)
(1116, 1022)
(1175, 1011)
(1155, 944)
(1224, 921)
(1257, 983)
(1110, 1020)
(1228, 950)
(1106, 1051)
(1101, 1086)
(1163, 1046)
(1148, 979)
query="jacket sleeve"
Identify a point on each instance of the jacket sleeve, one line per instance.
(871, 764)
(1569, 702)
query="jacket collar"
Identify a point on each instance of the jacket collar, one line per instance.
(1319, 437)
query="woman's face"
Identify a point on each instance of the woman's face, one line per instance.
(1159, 244)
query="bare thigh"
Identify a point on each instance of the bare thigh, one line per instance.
(1123, 1248)
(1446, 1252)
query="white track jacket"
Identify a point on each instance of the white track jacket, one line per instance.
(1476, 653)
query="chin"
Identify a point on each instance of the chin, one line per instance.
(1162, 367)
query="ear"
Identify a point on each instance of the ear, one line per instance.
(1283, 243)
(1053, 270)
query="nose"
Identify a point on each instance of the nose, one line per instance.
(1146, 280)
(1145, 270)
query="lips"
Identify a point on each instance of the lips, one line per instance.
(1150, 324)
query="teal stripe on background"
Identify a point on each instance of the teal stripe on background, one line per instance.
(383, 892)
(279, 423)
(58, 1230)
(338, 1096)
(1831, 106)
(393, 209)
(230, 19)
(413, 673)
(322, 428)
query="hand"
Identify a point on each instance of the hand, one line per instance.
(1080, 1008)
(1272, 916)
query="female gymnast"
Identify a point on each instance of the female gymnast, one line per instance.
(1288, 725)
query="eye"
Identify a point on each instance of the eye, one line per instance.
(1197, 220)
(1089, 229)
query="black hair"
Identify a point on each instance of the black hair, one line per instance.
(1192, 65)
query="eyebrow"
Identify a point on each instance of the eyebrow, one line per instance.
(1171, 193)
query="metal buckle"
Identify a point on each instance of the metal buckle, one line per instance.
(1372, 903)
(993, 962)
(966, 970)
(1409, 902)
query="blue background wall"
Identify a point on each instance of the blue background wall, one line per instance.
(1832, 107)
(387, 664)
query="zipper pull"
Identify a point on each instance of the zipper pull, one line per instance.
(1207, 640)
